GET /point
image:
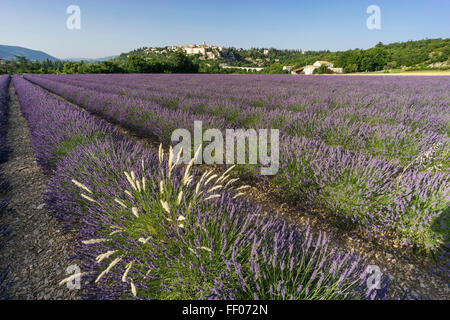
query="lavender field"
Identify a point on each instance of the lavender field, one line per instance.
(370, 154)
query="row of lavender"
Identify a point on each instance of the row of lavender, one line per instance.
(150, 228)
(378, 196)
(5, 233)
(4, 106)
(378, 118)
(390, 96)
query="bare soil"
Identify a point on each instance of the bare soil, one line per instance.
(39, 252)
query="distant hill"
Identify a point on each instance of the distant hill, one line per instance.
(89, 59)
(10, 53)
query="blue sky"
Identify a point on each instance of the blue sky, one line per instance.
(111, 27)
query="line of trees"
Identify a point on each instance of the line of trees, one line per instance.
(176, 62)
(411, 54)
(23, 65)
(363, 60)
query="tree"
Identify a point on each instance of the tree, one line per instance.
(275, 68)
(374, 59)
(136, 64)
(179, 62)
(323, 69)
(70, 67)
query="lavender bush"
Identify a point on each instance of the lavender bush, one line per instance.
(5, 233)
(4, 148)
(4, 101)
(168, 234)
(71, 127)
(367, 192)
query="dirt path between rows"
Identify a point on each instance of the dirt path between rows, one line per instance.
(405, 271)
(39, 252)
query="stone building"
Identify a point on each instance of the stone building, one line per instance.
(309, 69)
(206, 51)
